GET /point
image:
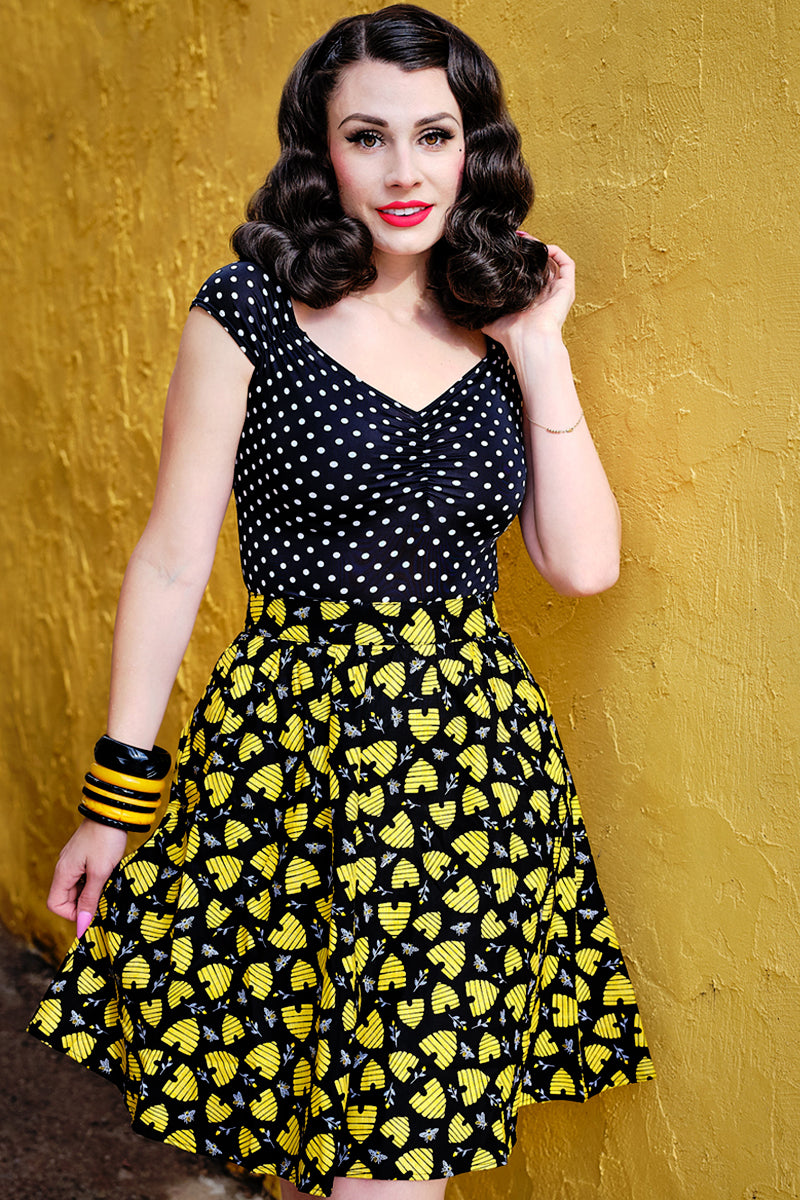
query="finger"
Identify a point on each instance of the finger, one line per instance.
(84, 920)
(64, 890)
(67, 909)
(560, 256)
(90, 896)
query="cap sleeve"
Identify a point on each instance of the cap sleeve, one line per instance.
(245, 301)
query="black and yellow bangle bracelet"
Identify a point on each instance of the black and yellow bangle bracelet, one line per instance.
(132, 760)
(121, 779)
(140, 821)
(114, 789)
(128, 826)
(108, 798)
(123, 788)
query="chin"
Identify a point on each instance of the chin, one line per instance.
(405, 241)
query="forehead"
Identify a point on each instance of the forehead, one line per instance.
(385, 90)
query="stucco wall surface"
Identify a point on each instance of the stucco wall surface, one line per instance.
(664, 143)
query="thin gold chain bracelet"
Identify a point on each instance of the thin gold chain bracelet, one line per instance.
(549, 430)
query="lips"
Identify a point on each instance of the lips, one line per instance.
(404, 214)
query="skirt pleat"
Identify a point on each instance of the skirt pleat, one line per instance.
(369, 927)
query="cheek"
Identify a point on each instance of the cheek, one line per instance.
(456, 173)
(348, 181)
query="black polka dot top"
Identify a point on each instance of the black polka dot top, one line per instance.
(342, 491)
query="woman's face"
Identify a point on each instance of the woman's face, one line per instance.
(396, 143)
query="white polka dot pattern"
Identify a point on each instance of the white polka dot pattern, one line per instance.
(341, 490)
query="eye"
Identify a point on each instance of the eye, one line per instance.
(368, 138)
(436, 137)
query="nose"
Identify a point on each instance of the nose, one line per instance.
(402, 170)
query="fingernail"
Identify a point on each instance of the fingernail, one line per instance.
(83, 922)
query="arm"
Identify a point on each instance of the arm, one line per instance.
(166, 575)
(569, 517)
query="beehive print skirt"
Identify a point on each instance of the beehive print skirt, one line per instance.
(368, 927)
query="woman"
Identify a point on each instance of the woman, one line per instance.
(368, 928)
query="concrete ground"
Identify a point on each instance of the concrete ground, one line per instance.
(64, 1132)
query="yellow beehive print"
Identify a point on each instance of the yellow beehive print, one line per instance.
(369, 924)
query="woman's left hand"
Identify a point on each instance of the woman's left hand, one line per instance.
(549, 310)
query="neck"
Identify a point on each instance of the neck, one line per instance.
(401, 284)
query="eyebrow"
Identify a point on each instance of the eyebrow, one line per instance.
(383, 124)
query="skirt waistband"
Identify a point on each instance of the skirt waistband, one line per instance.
(363, 623)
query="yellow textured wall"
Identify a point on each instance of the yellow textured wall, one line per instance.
(663, 140)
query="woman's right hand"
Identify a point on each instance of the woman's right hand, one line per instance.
(83, 868)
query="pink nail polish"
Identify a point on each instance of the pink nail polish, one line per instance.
(83, 922)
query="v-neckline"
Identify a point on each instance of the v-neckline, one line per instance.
(406, 408)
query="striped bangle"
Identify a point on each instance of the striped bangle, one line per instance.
(123, 787)
(104, 796)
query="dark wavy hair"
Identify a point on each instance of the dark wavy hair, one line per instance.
(480, 268)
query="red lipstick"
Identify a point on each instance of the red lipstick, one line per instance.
(404, 214)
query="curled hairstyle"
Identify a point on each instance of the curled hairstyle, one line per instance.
(480, 268)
